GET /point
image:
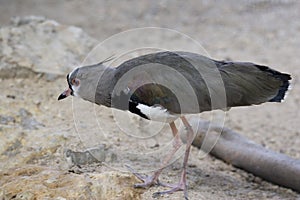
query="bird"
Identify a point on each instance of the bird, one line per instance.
(168, 85)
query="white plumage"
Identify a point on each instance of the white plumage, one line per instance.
(157, 113)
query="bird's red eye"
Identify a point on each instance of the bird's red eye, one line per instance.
(75, 81)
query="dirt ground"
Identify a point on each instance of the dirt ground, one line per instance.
(264, 32)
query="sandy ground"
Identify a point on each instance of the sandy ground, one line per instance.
(264, 32)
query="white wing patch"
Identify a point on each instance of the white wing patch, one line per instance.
(157, 113)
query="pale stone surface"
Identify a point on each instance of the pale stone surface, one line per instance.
(39, 45)
(34, 182)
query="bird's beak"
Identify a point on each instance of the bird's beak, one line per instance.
(65, 94)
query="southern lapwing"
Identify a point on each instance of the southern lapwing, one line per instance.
(168, 85)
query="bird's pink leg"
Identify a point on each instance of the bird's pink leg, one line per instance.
(153, 180)
(182, 184)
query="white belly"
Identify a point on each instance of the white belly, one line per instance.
(157, 113)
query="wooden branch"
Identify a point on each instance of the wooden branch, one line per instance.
(243, 153)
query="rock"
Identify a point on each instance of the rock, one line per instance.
(97, 154)
(34, 45)
(35, 182)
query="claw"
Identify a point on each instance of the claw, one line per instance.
(174, 188)
(148, 181)
(138, 175)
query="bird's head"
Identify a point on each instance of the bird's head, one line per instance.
(85, 81)
(73, 85)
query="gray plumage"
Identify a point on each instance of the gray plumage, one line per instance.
(163, 78)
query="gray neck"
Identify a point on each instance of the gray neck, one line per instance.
(99, 83)
(105, 87)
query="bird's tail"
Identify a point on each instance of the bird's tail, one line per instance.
(285, 86)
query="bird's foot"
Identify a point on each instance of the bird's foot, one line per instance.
(181, 186)
(148, 181)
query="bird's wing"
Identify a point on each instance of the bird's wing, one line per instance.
(186, 82)
(248, 83)
(168, 79)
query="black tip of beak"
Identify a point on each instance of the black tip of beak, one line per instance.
(61, 96)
